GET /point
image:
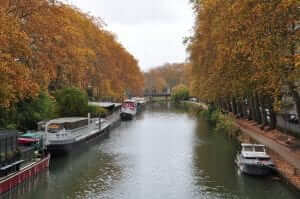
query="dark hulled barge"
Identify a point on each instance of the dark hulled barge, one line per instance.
(65, 134)
(19, 162)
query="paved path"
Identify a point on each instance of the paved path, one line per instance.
(197, 103)
(283, 151)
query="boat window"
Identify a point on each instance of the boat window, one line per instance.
(265, 158)
(54, 128)
(259, 148)
(129, 104)
(248, 148)
(250, 158)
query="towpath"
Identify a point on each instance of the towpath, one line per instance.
(291, 156)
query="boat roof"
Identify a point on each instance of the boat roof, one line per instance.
(67, 120)
(254, 154)
(32, 135)
(7, 133)
(253, 145)
(105, 104)
(138, 98)
(130, 100)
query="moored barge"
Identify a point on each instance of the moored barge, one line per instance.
(64, 135)
(19, 163)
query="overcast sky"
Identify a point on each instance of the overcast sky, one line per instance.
(152, 30)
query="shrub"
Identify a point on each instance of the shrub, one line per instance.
(96, 111)
(71, 102)
(30, 111)
(220, 122)
(179, 93)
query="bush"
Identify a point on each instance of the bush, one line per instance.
(30, 111)
(219, 121)
(96, 111)
(179, 93)
(72, 102)
(7, 119)
(25, 114)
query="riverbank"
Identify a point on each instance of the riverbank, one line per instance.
(285, 152)
(286, 159)
(127, 165)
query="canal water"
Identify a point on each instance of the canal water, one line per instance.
(164, 153)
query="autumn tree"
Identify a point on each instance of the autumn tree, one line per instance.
(165, 77)
(243, 54)
(47, 45)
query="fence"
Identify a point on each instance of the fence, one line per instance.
(284, 124)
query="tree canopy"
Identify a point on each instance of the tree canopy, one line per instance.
(165, 77)
(243, 48)
(48, 45)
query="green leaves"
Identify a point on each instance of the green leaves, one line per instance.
(71, 102)
(179, 93)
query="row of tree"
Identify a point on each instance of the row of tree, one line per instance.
(46, 44)
(245, 55)
(166, 77)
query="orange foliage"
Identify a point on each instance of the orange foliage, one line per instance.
(242, 47)
(50, 45)
(165, 77)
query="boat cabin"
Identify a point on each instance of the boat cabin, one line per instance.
(60, 124)
(9, 153)
(131, 104)
(254, 151)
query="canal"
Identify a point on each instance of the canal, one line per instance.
(163, 153)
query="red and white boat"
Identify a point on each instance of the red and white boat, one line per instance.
(19, 163)
(128, 109)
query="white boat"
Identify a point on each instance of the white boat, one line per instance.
(253, 160)
(64, 134)
(128, 109)
(141, 103)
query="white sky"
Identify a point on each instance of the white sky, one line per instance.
(151, 30)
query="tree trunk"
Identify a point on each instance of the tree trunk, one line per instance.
(229, 106)
(263, 112)
(296, 97)
(244, 108)
(240, 109)
(234, 108)
(250, 107)
(257, 111)
(272, 114)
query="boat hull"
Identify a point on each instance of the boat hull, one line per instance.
(62, 149)
(126, 116)
(255, 170)
(25, 173)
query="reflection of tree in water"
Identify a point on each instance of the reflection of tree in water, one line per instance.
(213, 161)
(140, 115)
(78, 174)
(216, 175)
(93, 174)
(167, 107)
